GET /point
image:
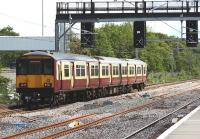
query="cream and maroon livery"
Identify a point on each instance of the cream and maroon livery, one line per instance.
(73, 72)
(137, 70)
(72, 75)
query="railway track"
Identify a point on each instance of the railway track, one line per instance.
(160, 119)
(40, 129)
(101, 120)
(5, 111)
(155, 99)
(153, 86)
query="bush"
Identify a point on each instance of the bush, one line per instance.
(4, 98)
(163, 77)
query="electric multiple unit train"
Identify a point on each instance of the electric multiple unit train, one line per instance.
(56, 78)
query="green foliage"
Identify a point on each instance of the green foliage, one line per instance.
(103, 45)
(9, 57)
(75, 47)
(114, 40)
(167, 60)
(6, 58)
(4, 98)
(8, 31)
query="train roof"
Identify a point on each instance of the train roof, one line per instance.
(77, 57)
(135, 61)
(111, 60)
(64, 56)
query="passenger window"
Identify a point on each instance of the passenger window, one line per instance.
(144, 70)
(115, 70)
(138, 70)
(105, 71)
(124, 70)
(80, 70)
(131, 70)
(66, 70)
(94, 70)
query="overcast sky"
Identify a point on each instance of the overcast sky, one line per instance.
(25, 17)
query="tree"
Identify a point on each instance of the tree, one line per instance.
(161, 56)
(114, 40)
(9, 57)
(8, 31)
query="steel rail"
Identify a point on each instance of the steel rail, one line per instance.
(47, 127)
(94, 122)
(100, 120)
(156, 121)
(9, 112)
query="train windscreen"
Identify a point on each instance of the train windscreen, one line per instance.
(34, 67)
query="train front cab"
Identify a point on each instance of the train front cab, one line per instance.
(35, 78)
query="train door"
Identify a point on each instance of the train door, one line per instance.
(72, 72)
(142, 72)
(88, 74)
(120, 73)
(135, 68)
(111, 72)
(59, 76)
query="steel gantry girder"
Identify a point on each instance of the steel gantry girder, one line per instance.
(117, 11)
(127, 11)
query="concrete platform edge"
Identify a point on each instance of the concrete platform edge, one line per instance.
(172, 128)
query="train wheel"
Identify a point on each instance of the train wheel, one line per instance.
(54, 101)
(98, 93)
(74, 97)
(67, 98)
(94, 94)
(108, 91)
(29, 104)
(88, 95)
(143, 85)
(61, 98)
(140, 87)
(104, 92)
(129, 89)
(124, 90)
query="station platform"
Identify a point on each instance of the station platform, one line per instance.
(187, 128)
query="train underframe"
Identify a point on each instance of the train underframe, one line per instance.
(30, 98)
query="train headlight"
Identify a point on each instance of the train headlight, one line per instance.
(23, 84)
(47, 84)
